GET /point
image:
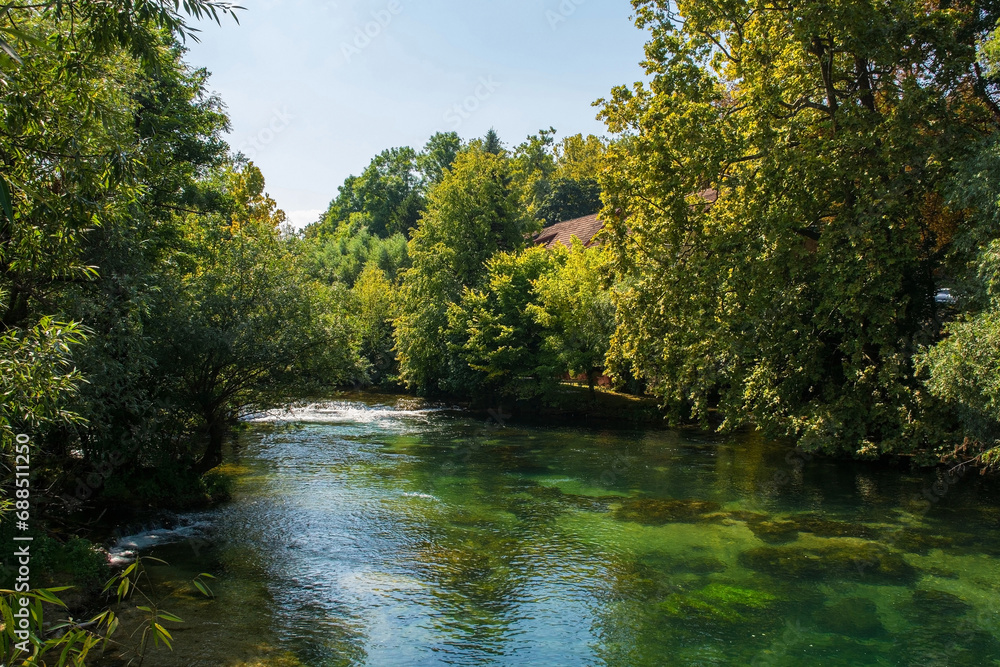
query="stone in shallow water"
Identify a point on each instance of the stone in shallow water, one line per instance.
(656, 512)
(839, 559)
(854, 617)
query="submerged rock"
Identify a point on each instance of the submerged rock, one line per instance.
(839, 559)
(854, 617)
(656, 511)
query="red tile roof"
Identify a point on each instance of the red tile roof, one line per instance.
(562, 232)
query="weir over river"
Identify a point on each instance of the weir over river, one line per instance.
(362, 533)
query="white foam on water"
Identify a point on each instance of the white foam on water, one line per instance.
(341, 412)
(424, 496)
(126, 549)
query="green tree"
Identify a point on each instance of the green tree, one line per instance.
(566, 199)
(389, 191)
(472, 214)
(580, 158)
(374, 307)
(437, 157)
(774, 210)
(576, 311)
(963, 369)
(243, 330)
(493, 329)
(343, 256)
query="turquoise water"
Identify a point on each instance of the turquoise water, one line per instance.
(371, 535)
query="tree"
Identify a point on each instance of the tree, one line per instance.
(437, 157)
(580, 158)
(576, 310)
(494, 331)
(389, 191)
(567, 199)
(374, 307)
(243, 330)
(492, 143)
(472, 214)
(963, 369)
(343, 256)
(774, 209)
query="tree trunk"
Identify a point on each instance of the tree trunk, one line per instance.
(213, 452)
(591, 379)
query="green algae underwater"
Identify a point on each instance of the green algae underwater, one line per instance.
(369, 534)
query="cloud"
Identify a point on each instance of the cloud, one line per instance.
(299, 219)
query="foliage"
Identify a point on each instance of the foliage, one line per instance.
(342, 257)
(36, 376)
(78, 559)
(963, 369)
(493, 329)
(580, 158)
(36, 642)
(472, 214)
(566, 199)
(576, 310)
(242, 328)
(375, 304)
(437, 157)
(827, 132)
(388, 191)
(559, 180)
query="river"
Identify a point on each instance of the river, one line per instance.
(369, 532)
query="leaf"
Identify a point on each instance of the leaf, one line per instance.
(5, 200)
(9, 50)
(203, 588)
(161, 633)
(170, 617)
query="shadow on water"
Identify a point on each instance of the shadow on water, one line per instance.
(375, 535)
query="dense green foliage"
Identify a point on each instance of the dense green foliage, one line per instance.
(472, 214)
(830, 134)
(803, 236)
(147, 298)
(472, 201)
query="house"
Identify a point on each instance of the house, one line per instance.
(562, 232)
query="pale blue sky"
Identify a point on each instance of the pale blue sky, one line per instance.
(313, 98)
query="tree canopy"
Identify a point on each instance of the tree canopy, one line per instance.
(776, 210)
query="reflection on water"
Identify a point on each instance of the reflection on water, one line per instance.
(367, 535)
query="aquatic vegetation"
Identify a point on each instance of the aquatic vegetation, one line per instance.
(920, 542)
(656, 511)
(930, 602)
(402, 560)
(786, 529)
(835, 559)
(719, 603)
(854, 617)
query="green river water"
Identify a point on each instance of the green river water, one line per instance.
(363, 533)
